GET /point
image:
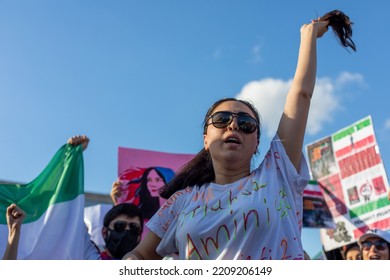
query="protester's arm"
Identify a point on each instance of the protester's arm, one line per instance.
(293, 122)
(15, 217)
(84, 141)
(146, 250)
(91, 251)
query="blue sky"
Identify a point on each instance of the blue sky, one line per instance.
(142, 74)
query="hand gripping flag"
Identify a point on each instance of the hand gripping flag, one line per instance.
(54, 204)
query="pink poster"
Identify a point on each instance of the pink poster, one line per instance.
(142, 174)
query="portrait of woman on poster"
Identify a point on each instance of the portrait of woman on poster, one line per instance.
(141, 186)
(152, 181)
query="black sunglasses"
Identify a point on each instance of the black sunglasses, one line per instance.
(222, 119)
(121, 226)
(379, 244)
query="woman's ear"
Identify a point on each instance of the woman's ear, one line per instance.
(205, 144)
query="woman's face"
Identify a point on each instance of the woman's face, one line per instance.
(375, 248)
(230, 145)
(154, 183)
(353, 254)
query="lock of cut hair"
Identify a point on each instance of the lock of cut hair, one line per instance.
(342, 27)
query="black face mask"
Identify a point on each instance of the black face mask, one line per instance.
(120, 242)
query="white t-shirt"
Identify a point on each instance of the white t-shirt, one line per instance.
(256, 217)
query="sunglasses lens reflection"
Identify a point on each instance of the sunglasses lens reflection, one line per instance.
(380, 245)
(122, 226)
(245, 122)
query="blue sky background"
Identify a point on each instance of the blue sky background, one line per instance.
(142, 74)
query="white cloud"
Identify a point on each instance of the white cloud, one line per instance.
(324, 104)
(268, 95)
(346, 78)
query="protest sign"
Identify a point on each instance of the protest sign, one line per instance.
(353, 180)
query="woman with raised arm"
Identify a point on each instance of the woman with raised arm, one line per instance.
(217, 207)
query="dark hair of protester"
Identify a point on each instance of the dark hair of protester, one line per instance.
(351, 252)
(342, 27)
(118, 239)
(200, 169)
(127, 209)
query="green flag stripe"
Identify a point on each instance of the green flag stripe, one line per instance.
(62, 180)
(346, 132)
(363, 124)
(369, 207)
(350, 130)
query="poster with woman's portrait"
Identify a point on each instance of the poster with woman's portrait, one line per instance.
(143, 173)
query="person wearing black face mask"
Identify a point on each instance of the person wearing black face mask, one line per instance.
(122, 230)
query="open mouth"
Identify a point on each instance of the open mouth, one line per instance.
(232, 140)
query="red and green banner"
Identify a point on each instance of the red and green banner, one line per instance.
(353, 180)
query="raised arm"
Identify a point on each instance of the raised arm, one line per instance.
(292, 125)
(15, 217)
